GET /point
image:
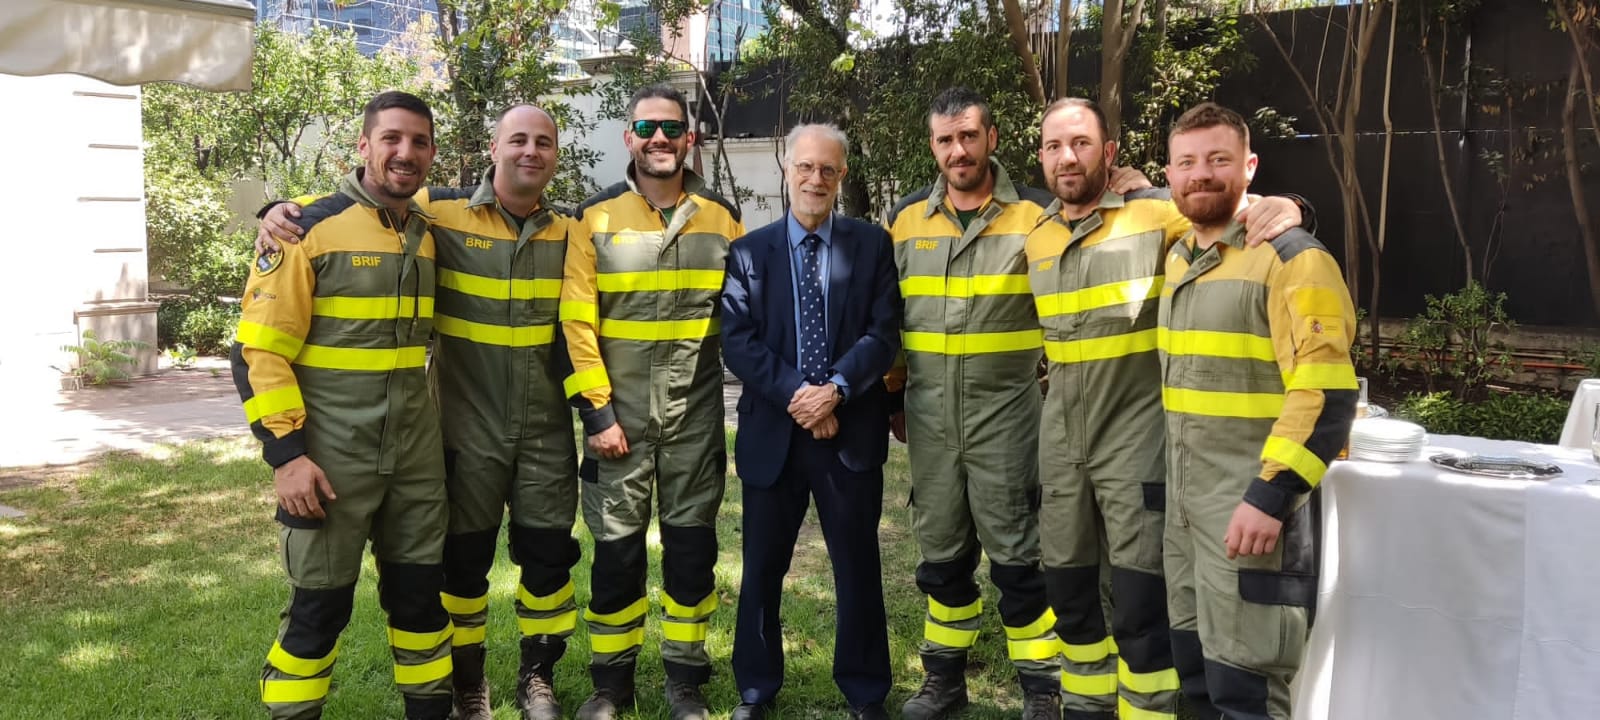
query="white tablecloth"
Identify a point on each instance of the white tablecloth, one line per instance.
(1457, 597)
(1579, 428)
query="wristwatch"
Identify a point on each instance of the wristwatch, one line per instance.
(838, 392)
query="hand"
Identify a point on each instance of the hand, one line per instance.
(825, 428)
(277, 226)
(1251, 532)
(1125, 180)
(299, 483)
(897, 426)
(1265, 218)
(609, 443)
(811, 403)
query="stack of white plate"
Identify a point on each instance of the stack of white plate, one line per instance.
(1386, 440)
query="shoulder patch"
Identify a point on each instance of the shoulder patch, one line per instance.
(1150, 193)
(450, 193)
(600, 197)
(724, 202)
(1039, 197)
(267, 263)
(908, 201)
(1294, 242)
(324, 208)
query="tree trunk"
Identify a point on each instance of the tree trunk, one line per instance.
(1432, 77)
(1580, 204)
(1063, 48)
(1017, 28)
(1116, 37)
(1580, 61)
(1383, 198)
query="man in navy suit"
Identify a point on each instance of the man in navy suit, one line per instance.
(810, 324)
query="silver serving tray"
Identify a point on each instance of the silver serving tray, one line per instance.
(1497, 466)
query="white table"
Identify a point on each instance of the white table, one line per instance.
(1579, 428)
(1457, 597)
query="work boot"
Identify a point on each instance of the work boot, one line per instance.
(1041, 705)
(427, 707)
(471, 688)
(536, 694)
(686, 701)
(613, 689)
(941, 695)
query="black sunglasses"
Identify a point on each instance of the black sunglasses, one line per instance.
(673, 129)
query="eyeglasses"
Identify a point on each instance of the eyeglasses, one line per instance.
(673, 129)
(829, 172)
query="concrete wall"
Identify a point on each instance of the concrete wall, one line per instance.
(73, 196)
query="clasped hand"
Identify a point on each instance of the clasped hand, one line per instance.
(812, 408)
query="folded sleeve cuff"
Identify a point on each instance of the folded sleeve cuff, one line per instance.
(597, 419)
(1270, 498)
(278, 451)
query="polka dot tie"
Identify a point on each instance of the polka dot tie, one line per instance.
(813, 313)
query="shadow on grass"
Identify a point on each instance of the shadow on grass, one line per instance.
(150, 586)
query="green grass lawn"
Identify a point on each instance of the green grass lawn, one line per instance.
(150, 587)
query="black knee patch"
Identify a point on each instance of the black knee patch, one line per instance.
(688, 562)
(1237, 693)
(617, 579)
(546, 556)
(1139, 620)
(1022, 596)
(316, 617)
(950, 582)
(1188, 658)
(467, 560)
(410, 595)
(1075, 594)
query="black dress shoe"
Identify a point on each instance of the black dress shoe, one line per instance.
(750, 711)
(870, 711)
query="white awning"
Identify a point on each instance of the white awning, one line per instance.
(205, 43)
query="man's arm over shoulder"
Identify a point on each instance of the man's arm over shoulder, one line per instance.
(873, 353)
(744, 350)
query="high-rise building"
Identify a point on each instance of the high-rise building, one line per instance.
(375, 22)
(710, 36)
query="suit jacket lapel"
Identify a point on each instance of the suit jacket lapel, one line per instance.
(780, 289)
(839, 262)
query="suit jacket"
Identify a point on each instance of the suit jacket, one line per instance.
(758, 343)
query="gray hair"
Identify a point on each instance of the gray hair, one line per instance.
(826, 130)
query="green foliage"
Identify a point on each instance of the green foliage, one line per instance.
(103, 361)
(1454, 341)
(181, 356)
(1172, 74)
(1500, 416)
(188, 227)
(207, 326)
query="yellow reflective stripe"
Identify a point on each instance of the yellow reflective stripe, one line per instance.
(372, 308)
(1101, 348)
(1089, 685)
(407, 640)
(944, 613)
(621, 617)
(658, 330)
(564, 623)
(1033, 649)
(469, 635)
(457, 605)
(270, 339)
(659, 280)
(427, 672)
(964, 287)
(617, 642)
(368, 359)
(684, 631)
(1222, 404)
(546, 603)
(502, 335)
(1321, 376)
(294, 691)
(1046, 622)
(1294, 456)
(1126, 711)
(676, 609)
(272, 402)
(1147, 683)
(1216, 343)
(579, 311)
(1098, 296)
(585, 380)
(973, 343)
(304, 667)
(1091, 653)
(499, 288)
(948, 637)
